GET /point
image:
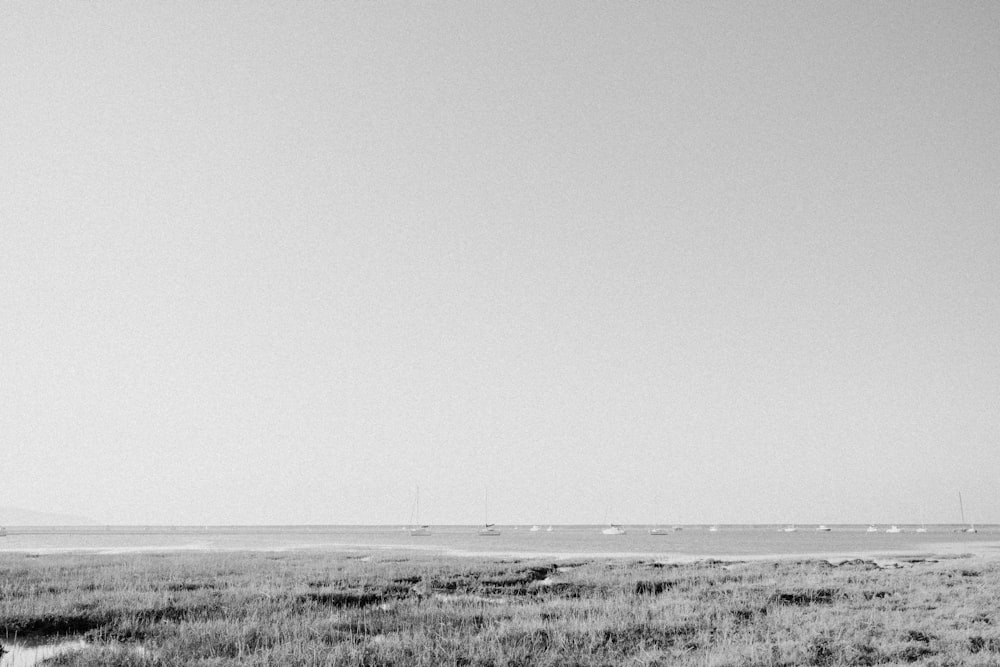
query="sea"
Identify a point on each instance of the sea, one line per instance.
(683, 543)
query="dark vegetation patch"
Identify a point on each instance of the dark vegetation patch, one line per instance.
(808, 597)
(860, 564)
(748, 614)
(571, 565)
(392, 590)
(644, 637)
(979, 644)
(913, 653)
(863, 654)
(51, 624)
(652, 587)
(516, 582)
(875, 595)
(367, 626)
(342, 599)
(191, 586)
(800, 565)
(919, 636)
(646, 565)
(821, 651)
(567, 589)
(971, 573)
(138, 625)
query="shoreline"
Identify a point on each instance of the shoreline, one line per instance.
(935, 551)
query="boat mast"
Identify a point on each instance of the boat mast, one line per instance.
(416, 506)
(961, 507)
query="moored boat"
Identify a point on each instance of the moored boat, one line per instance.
(417, 529)
(488, 529)
(961, 508)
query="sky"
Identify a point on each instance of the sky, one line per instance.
(672, 262)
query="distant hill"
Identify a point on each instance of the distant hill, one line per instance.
(17, 516)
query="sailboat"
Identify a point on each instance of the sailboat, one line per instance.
(894, 529)
(961, 508)
(789, 529)
(613, 529)
(871, 528)
(416, 528)
(488, 529)
(822, 528)
(660, 531)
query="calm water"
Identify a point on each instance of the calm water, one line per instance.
(22, 653)
(728, 541)
(26, 651)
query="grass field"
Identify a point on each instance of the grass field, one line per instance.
(305, 608)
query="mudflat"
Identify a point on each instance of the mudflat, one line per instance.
(328, 608)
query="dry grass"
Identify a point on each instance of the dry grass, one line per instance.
(335, 609)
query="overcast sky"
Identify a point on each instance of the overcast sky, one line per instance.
(633, 262)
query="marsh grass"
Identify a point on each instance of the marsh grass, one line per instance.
(333, 609)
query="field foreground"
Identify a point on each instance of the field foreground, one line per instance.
(308, 608)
